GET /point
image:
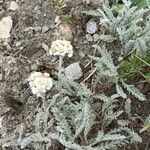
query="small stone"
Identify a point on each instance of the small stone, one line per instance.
(5, 27)
(21, 48)
(81, 54)
(65, 32)
(89, 37)
(74, 71)
(1, 119)
(91, 27)
(96, 37)
(18, 44)
(45, 29)
(34, 67)
(1, 76)
(52, 26)
(13, 6)
(1, 1)
(45, 47)
(57, 21)
(37, 29)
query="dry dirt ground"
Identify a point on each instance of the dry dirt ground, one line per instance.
(25, 53)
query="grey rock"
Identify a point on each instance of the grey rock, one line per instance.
(81, 54)
(52, 26)
(89, 37)
(21, 48)
(96, 37)
(1, 1)
(37, 29)
(18, 44)
(45, 47)
(45, 29)
(91, 27)
(74, 71)
(1, 76)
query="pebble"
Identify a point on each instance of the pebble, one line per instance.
(1, 77)
(18, 44)
(13, 6)
(57, 21)
(45, 29)
(81, 54)
(45, 47)
(89, 37)
(96, 37)
(37, 29)
(5, 27)
(1, 119)
(64, 32)
(91, 27)
(52, 26)
(74, 71)
(1, 1)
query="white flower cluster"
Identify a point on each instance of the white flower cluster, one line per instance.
(40, 83)
(61, 47)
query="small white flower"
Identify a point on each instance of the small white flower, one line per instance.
(61, 47)
(40, 83)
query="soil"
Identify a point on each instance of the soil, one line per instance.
(24, 53)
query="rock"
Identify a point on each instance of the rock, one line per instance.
(18, 44)
(96, 37)
(81, 54)
(5, 27)
(13, 6)
(57, 21)
(1, 119)
(89, 37)
(1, 1)
(37, 28)
(1, 76)
(91, 27)
(45, 47)
(64, 32)
(45, 29)
(52, 26)
(74, 71)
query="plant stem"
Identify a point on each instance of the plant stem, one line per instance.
(59, 76)
(142, 60)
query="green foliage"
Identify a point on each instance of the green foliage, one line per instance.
(141, 3)
(70, 117)
(106, 68)
(130, 26)
(133, 68)
(67, 18)
(138, 3)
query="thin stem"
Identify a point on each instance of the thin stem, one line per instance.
(142, 60)
(59, 76)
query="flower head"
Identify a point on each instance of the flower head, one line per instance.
(61, 47)
(40, 83)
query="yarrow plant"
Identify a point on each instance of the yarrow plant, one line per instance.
(40, 83)
(61, 48)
